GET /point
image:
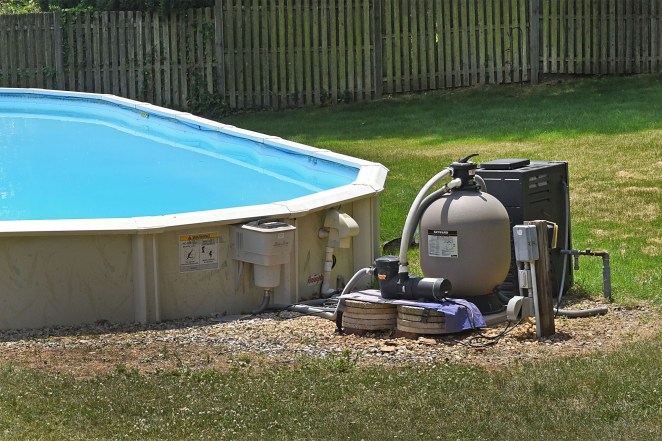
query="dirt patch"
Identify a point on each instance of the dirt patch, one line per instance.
(653, 247)
(281, 339)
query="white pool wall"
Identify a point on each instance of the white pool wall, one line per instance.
(69, 272)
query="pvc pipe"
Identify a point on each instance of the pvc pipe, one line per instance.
(409, 221)
(606, 276)
(327, 291)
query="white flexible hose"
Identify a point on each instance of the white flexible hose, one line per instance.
(409, 222)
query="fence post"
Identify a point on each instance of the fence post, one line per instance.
(219, 46)
(377, 35)
(534, 39)
(59, 55)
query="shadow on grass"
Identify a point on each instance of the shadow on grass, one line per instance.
(562, 108)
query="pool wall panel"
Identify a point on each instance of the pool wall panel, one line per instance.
(65, 280)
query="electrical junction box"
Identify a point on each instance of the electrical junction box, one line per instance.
(525, 243)
(263, 243)
(532, 190)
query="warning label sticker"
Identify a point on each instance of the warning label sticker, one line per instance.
(198, 252)
(442, 243)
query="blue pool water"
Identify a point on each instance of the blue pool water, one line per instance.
(82, 159)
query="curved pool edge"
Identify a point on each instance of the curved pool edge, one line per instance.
(370, 180)
(154, 224)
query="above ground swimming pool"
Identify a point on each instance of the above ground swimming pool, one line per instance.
(99, 196)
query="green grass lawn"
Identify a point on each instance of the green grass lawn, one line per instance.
(613, 397)
(610, 131)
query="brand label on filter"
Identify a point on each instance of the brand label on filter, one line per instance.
(442, 243)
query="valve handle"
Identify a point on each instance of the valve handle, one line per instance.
(466, 159)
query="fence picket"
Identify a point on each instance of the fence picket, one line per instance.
(139, 56)
(255, 53)
(282, 59)
(499, 40)
(524, 43)
(29, 71)
(472, 55)
(603, 37)
(438, 40)
(158, 60)
(653, 35)
(13, 50)
(489, 43)
(613, 68)
(406, 51)
(571, 26)
(38, 57)
(508, 45)
(307, 53)
(18, 54)
(148, 63)
(412, 38)
(368, 23)
(333, 51)
(397, 47)
(264, 55)
(316, 48)
(4, 63)
(324, 55)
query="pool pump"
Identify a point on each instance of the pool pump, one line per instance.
(394, 285)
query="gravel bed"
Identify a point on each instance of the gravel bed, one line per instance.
(284, 338)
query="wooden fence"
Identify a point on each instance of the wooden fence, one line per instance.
(29, 51)
(600, 36)
(433, 44)
(284, 53)
(279, 53)
(140, 55)
(145, 56)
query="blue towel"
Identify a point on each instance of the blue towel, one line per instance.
(459, 314)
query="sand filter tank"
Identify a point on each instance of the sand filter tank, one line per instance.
(465, 237)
